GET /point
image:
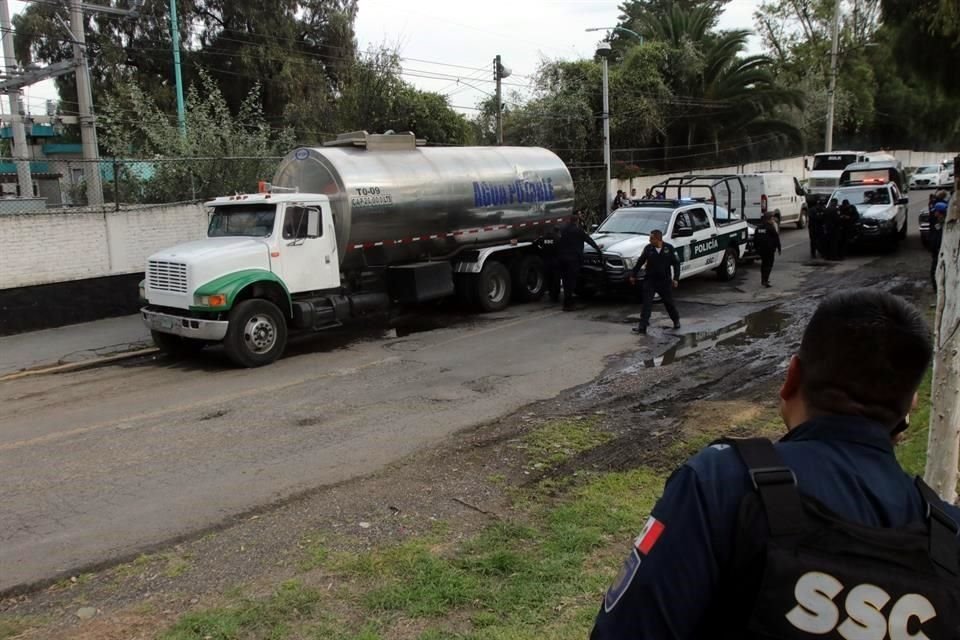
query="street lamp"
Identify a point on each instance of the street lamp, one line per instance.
(623, 29)
(604, 50)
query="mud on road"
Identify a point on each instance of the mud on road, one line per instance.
(672, 390)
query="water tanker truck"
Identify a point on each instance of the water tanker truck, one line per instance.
(357, 226)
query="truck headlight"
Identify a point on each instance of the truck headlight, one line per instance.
(629, 263)
(216, 300)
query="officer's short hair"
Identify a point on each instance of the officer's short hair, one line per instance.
(656, 232)
(864, 352)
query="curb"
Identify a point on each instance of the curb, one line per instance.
(77, 366)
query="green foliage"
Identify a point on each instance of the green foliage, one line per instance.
(912, 450)
(212, 133)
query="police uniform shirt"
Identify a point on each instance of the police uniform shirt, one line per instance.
(681, 562)
(660, 265)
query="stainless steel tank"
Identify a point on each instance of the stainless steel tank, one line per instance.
(394, 201)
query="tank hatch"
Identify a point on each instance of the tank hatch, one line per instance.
(388, 141)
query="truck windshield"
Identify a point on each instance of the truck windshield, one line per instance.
(637, 221)
(829, 162)
(252, 220)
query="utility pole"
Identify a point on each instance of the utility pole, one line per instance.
(604, 50)
(832, 90)
(21, 153)
(175, 37)
(499, 73)
(88, 124)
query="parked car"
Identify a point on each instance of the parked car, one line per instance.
(932, 176)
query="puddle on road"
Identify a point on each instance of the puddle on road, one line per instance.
(759, 324)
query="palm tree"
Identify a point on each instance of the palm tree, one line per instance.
(720, 98)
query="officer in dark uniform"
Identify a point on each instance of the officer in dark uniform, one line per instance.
(822, 535)
(547, 244)
(662, 277)
(831, 230)
(766, 240)
(570, 257)
(938, 213)
(813, 227)
(849, 217)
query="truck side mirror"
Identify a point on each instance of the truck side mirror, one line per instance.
(594, 227)
(683, 232)
(313, 223)
(806, 164)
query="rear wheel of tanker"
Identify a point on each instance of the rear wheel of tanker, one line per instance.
(257, 333)
(529, 279)
(175, 346)
(493, 287)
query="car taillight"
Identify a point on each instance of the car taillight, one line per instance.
(763, 203)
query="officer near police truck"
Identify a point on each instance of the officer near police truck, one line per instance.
(822, 535)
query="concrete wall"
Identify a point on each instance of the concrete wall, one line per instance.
(790, 166)
(45, 248)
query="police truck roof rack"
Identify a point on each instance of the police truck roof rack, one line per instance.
(707, 182)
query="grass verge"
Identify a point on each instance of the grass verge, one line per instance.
(912, 450)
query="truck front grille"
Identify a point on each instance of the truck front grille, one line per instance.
(167, 276)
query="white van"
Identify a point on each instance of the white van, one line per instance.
(776, 192)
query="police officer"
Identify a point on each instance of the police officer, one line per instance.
(938, 213)
(814, 215)
(766, 239)
(831, 230)
(662, 277)
(547, 244)
(570, 257)
(849, 217)
(822, 535)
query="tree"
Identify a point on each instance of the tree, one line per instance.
(221, 153)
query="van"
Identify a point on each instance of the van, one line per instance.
(776, 192)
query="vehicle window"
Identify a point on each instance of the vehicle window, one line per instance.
(682, 222)
(722, 215)
(699, 219)
(896, 192)
(251, 220)
(928, 170)
(295, 223)
(833, 162)
(637, 221)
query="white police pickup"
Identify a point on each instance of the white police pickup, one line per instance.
(706, 237)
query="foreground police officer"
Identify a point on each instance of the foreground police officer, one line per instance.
(662, 267)
(822, 535)
(766, 240)
(570, 257)
(547, 244)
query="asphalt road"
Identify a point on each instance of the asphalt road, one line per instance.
(101, 464)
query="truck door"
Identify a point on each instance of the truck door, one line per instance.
(704, 245)
(681, 236)
(308, 248)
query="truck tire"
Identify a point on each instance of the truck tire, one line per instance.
(176, 346)
(728, 266)
(529, 279)
(493, 287)
(802, 220)
(257, 334)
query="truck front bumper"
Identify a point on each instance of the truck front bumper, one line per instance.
(197, 328)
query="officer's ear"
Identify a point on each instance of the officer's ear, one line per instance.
(791, 383)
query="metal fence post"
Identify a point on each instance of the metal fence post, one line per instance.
(116, 185)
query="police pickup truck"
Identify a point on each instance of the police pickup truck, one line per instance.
(705, 235)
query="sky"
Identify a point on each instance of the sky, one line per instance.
(448, 46)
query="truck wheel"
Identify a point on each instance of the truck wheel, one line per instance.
(728, 267)
(176, 346)
(493, 287)
(802, 220)
(257, 333)
(529, 280)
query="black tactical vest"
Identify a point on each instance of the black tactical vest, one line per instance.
(819, 576)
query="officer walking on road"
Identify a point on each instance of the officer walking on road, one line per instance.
(662, 277)
(570, 257)
(831, 230)
(814, 226)
(822, 535)
(766, 239)
(547, 244)
(849, 217)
